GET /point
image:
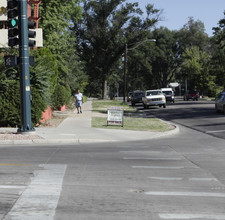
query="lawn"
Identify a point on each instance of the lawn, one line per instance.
(133, 120)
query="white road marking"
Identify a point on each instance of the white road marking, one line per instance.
(12, 187)
(203, 179)
(40, 199)
(149, 158)
(166, 178)
(197, 194)
(218, 131)
(181, 178)
(191, 216)
(68, 134)
(138, 151)
(155, 167)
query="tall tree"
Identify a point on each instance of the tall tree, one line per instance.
(56, 20)
(165, 61)
(195, 67)
(191, 35)
(106, 26)
(218, 59)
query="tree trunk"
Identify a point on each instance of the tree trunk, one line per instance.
(104, 89)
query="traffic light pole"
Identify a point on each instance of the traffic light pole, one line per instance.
(25, 90)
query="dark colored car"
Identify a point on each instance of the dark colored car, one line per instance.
(136, 97)
(129, 96)
(191, 95)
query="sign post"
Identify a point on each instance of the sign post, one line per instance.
(24, 69)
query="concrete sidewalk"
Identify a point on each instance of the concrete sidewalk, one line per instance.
(77, 129)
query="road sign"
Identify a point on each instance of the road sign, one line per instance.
(115, 116)
(3, 10)
(11, 61)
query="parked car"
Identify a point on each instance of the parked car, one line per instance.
(136, 97)
(220, 102)
(154, 97)
(129, 96)
(194, 95)
(169, 94)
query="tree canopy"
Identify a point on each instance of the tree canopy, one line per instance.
(101, 33)
(84, 47)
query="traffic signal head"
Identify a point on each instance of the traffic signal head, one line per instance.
(12, 12)
(31, 34)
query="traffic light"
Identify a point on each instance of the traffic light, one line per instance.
(31, 33)
(13, 32)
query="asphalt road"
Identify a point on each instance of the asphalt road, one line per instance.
(167, 178)
(197, 115)
(176, 177)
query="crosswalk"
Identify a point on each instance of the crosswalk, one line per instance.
(180, 188)
(40, 198)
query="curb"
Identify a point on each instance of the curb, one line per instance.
(82, 140)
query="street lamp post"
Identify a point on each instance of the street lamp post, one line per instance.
(124, 75)
(125, 65)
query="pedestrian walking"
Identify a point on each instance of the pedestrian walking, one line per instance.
(79, 100)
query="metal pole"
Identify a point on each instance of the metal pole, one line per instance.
(124, 76)
(25, 95)
(186, 86)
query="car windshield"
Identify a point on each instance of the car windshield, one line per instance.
(193, 92)
(149, 93)
(167, 92)
(137, 94)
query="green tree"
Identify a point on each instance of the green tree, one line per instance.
(195, 68)
(192, 35)
(44, 74)
(102, 32)
(56, 21)
(165, 60)
(218, 59)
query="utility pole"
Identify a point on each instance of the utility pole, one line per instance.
(125, 65)
(125, 73)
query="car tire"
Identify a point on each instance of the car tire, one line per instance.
(216, 108)
(164, 106)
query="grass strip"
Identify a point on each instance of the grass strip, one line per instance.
(130, 123)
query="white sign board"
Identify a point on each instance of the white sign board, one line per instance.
(115, 117)
(3, 10)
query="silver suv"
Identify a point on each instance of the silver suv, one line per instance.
(220, 102)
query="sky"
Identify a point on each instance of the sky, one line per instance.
(176, 13)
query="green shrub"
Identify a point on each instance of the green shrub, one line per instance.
(37, 107)
(61, 96)
(10, 104)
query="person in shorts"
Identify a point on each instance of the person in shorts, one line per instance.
(79, 101)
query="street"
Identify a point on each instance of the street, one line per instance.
(175, 177)
(198, 115)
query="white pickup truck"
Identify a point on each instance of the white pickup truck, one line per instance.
(154, 97)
